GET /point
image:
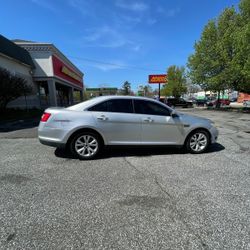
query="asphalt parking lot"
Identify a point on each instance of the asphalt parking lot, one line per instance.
(156, 198)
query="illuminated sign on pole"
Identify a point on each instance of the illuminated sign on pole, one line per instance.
(157, 78)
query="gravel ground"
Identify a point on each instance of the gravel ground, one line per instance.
(131, 198)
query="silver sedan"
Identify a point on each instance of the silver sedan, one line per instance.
(122, 120)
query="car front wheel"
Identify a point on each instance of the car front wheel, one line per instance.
(85, 145)
(198, 142)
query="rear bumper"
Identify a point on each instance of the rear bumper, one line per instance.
(52, 143)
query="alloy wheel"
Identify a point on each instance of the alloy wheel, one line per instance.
(86, 146)
(198, 142)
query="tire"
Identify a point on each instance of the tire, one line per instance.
(198, 142)
(85, 145)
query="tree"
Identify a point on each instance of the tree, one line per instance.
(126, 88)
(211, 65)
(204, 64)
(176, 85)
(242, 47)
(222, 55)
(11, 87)
(229, 46)
(148, 91)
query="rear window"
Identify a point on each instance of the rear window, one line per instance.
(101, 107)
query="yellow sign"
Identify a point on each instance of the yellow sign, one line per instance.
(71, 74)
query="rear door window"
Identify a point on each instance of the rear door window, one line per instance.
(120, 106)
(114, 105)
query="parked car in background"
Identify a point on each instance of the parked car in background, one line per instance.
(163, 99)
(122, 120)
(246, 103)
(192, 99)
(234, 99)
(179, 102)
(213, 102)
(224, 102)
(201, 101)
(210, 101)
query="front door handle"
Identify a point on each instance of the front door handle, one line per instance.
(102, 118)
(148, 119)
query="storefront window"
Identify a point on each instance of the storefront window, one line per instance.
(62, 95)
(43, 93)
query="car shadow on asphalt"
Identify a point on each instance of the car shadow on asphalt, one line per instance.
(11, 126)
(142, 151)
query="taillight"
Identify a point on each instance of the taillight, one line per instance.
(45, 117)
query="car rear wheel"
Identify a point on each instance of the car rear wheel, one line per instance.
(198, 142)
(85, 145)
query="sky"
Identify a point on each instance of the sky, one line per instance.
(113, 41)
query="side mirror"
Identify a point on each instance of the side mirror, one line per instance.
(174, 114)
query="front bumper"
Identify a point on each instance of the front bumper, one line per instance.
(214, 134)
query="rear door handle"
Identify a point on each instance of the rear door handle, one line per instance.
(148, 119)
(102, 118)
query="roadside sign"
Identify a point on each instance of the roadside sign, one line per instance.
(157, 78)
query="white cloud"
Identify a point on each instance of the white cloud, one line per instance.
(104, 37)
(131, 19)
(136, 47)
(133, 6)
(86, 8)
(172, 12)
(112, 65)
(168, 12)
(108, 37)
(151, 21)
(45, 4)
(107, 67)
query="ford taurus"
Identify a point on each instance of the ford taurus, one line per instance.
(122, 120)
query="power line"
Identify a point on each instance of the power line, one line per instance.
(114, 64)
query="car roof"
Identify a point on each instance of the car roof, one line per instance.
(83, 105)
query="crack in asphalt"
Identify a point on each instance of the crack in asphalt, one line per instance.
(174, 203)
(204, 246)
(133, 166)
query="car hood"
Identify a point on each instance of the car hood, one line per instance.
(194, 119)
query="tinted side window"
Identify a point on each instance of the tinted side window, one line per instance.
(120, 106)
(102, 107)
(150, 108)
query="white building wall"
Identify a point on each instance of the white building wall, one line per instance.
(24, 71)
(15, 67)
(43, 63)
